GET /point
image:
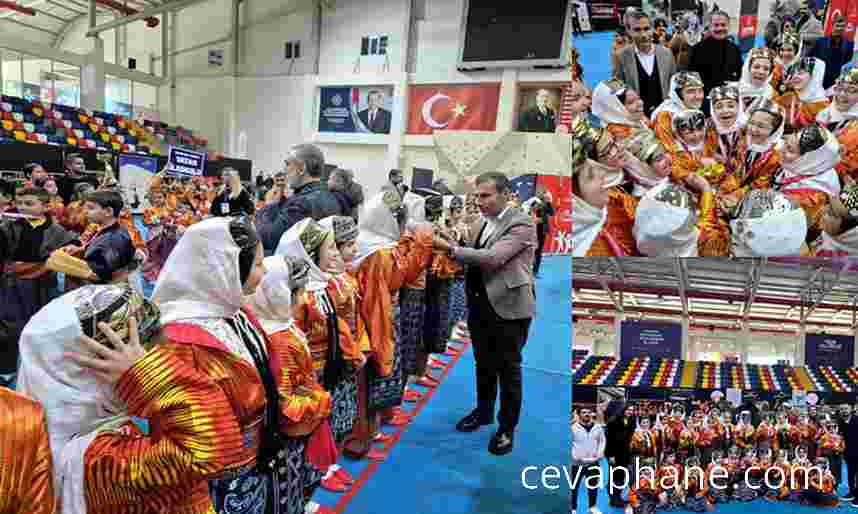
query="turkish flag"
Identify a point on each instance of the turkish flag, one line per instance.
(471, 107)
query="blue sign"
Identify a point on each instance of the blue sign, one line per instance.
(837, 351)
(652, 339)
(186, 162)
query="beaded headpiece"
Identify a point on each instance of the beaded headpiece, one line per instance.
(345, 229)
(456, 203)
(299, 271)
(811, 137)
(312, 238)
(762, 203)
(645, 146)
(761, 53)
(849, 76)
(114, 305)
(728, 92)
(849, 198)
(686, 79)
(769, 107)
(791, 39)
(677, 196)
(616, 86)
(690, 119)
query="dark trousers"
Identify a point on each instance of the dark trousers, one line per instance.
(576, 25)
(616, 493)
(591, 470)
(852, 475)
(835, 462)
(497, 347)
(540, 242)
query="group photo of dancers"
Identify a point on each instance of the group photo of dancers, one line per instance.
(698, 455)
(690, 147)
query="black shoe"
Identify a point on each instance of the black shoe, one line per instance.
(501, 443)
(471, 422)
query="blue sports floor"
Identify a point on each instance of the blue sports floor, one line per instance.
(433, 469)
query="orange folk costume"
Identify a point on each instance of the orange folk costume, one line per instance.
(26, 483)
(802, 107)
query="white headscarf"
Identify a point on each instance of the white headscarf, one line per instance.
(673, 103)
(608, 108)
(664, 230)
(814, 91)
(379, 229)
(272, 301)
(773, 139)
(738, 123)
(415, 205)
(747, 89)
(816, 168)
(776, 235)
(832, 114)
(587, 222)
(76, 402)
(201, 278)
(290, 244)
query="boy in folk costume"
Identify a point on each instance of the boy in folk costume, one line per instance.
(387, 259)
(644, 495)
(26, 242)
(822, 486)
(831, 447)
(74, 215)
(766, 435)
(803, 97)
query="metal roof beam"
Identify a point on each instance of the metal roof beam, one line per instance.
(31, 27)
(682, 280)
(751, 290)
(148, 13)
(817, 295)
(618, 304)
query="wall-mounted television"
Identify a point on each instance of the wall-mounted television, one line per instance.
(514, 34)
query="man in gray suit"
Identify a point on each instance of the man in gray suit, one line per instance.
(645, 66)
(501, 304)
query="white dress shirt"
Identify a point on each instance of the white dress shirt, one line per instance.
(491, 226)
(647, 60)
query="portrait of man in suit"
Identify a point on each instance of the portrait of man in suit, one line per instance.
(375, 117)
(542, 117)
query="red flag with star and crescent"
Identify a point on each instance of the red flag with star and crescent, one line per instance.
(466, 107)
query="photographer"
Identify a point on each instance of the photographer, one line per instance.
(233, 199)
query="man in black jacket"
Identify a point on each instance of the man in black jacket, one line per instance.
(310, 197)
(618, 434)
(848, 427)
(234, 199)
(717, 59)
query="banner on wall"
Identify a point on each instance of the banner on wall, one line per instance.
(466, 107)
(583, 15)
(748, 24)
(654, 339)
(829, 350)
(135, 175)
(186, 162)
(355, 110)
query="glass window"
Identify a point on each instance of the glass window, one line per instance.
(38, 80)
(145, 101)
(66, 84)
(11, 62)
(118, 99)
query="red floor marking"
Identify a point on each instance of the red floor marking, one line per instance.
(367, 473)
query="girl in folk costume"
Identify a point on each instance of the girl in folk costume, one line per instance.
(768, 224)
(725, 129)
(840, 224)
(690, 153)
(755, 86)
(720, 492)
(704, 439)
(644, 494)
(386, 260)
(696, 486)
(766, 435)
(306, 404)
(212, 341)
(56, 205)
(28, 483)
(808, 175)
(602, 217)
(796, 482)
(326, 302)
(841, 118)
(720, 437)
(745, 432)
(832, 446)
(163, 233)
(619, 108)
(822, 485)
(74, 216)
(643, 444)
(804, 97)
(788, 434)
(686, 93)
(461, 234)
(759, 156)
(789, 55)
(669, 221)
(669, 478)
(647, 161)
(685, 441)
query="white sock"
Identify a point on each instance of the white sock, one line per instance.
(311, 508)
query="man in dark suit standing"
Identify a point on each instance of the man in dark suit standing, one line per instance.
(501, 304)
(376, 119)
(541, 118)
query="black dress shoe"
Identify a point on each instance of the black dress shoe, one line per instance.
(471, 422)
(501, 443)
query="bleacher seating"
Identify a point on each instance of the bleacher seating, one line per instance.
(54, 124)
(667, 373)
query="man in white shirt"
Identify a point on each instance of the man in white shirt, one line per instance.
(588, 448)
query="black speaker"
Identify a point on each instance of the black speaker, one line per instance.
(422, 178)
(132, 64)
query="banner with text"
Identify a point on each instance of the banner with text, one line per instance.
(650, 339)
(135, 174)
(186, 163)
(829, 350)
(471, 107)
(356, 110)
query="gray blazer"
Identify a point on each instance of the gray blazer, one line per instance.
(628, 69)
(506, 261)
